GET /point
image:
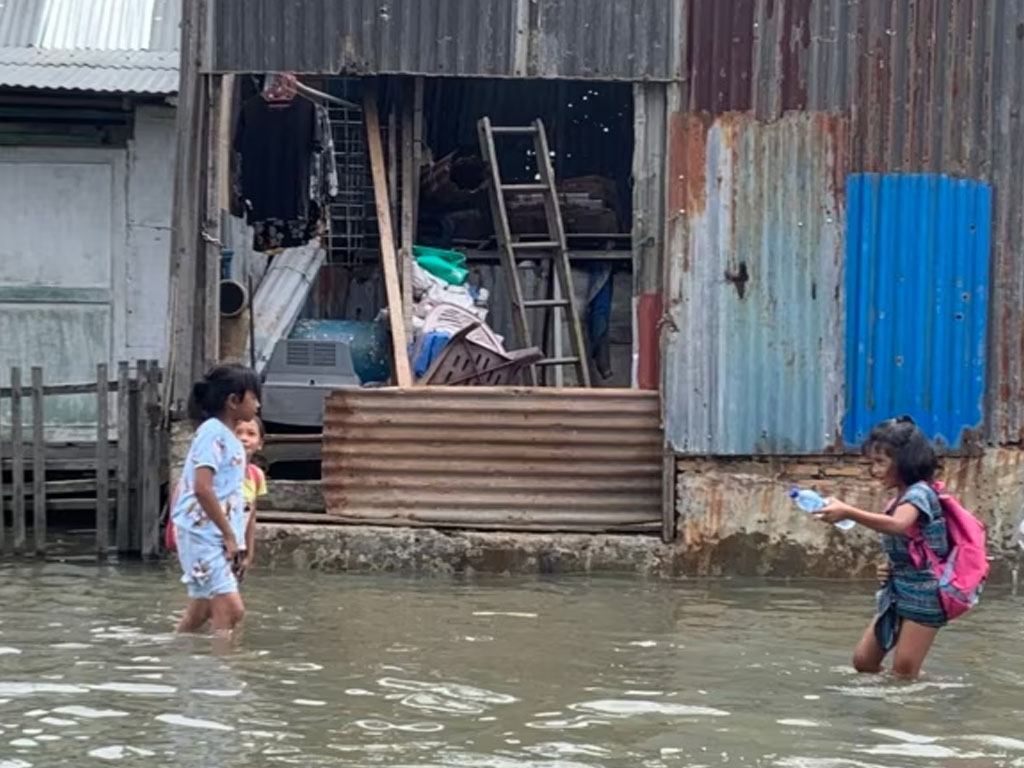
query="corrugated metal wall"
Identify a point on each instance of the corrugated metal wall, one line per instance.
(917, 273)
(753, 360)
(581, 39)
(495, 458)
(931, 86)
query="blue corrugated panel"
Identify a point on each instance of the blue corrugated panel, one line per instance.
(917, 272)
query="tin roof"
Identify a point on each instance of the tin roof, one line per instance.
(112, 46)
(631, 40)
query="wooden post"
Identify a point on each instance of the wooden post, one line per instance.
(124, 443)
(668, 495)
(187, 209)
(211, 230)
(17, 465)
(102, 463)
(150, 424)
(417, 149)
(3, 522)
(225, 127)
(392, 158)
(403, 371)
(38, 463)
(137, 432)
(409, 182)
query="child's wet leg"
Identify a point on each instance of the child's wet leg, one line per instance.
(197, 613)
(227, 611)
(912, 648)
(868, 655)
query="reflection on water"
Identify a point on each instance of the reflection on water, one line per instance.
(567, 673)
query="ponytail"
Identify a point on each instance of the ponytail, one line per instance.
(210, 394)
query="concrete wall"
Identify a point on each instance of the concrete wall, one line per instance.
(735, 520)
(735, 517)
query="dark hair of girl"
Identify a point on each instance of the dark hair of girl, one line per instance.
(908, 447)
(210, 395)
(260, 427)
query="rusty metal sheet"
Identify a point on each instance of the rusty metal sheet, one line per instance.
(580, 39)
(518, 459)
(931, 86)
(940, 91)
(754, 349)
(771, 56)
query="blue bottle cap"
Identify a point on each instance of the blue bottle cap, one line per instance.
(794, 492)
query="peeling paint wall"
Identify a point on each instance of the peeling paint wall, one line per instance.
(85, 261)
(754, 349)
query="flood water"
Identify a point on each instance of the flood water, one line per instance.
(335, 670)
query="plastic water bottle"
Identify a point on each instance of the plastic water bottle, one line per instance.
(809, 502)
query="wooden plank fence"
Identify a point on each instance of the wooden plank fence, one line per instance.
(136, 462)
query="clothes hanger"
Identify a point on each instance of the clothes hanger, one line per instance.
(282, 87)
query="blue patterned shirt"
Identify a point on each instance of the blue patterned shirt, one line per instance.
(216, 447)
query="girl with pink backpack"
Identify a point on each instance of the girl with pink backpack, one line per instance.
(937, 559)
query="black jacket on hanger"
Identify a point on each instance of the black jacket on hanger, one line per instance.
(276, 141)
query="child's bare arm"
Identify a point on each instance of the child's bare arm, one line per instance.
(250, 534)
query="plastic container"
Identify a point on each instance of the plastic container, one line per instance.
(452, 257)
(453, 274)
(811, 502)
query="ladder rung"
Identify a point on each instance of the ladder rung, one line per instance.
(553, 361)
(513, 130)
(524, 187)
(538, 303)
(547, 245)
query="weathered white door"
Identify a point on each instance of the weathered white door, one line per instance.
(61, 265)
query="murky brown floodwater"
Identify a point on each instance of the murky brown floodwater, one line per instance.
(566, 673)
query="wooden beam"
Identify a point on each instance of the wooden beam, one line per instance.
(102, 464)
(3, 522)
(417, 138)
(211, 231)
(403, 371)
(409, 182)
(224, 143)
(186, 222)
(17, 464)
(668, 495)
(124, 448)
(38, 463)
(149, 418)
(391, 158)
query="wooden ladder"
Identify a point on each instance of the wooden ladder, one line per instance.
(560, 300)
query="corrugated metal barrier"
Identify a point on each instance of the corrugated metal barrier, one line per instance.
(582, 39)
(754, 349)
(512, 459)
(917, 272)
(931, 87)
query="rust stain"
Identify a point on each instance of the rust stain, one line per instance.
(688, 187)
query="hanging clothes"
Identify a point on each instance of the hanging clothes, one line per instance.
(324, 173)
(599, 311)
(276, 143)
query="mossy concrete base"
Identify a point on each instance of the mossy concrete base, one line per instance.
(430, 551)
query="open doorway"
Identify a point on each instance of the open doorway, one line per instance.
(590, 132)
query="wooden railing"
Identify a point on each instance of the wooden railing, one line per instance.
(123, 476)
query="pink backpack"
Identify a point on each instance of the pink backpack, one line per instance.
(962, 574)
